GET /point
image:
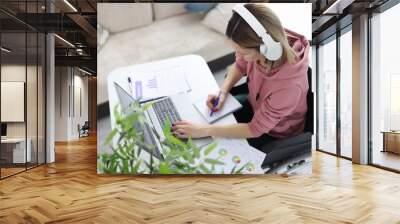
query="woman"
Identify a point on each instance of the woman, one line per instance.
(274, 97)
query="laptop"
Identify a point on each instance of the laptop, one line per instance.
(174, 108)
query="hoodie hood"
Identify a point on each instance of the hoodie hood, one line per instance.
(301, 47)
(279, 97)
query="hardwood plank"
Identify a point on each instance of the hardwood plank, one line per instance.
(70, 191)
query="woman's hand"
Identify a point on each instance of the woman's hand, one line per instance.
(212, 98)
(185, 129)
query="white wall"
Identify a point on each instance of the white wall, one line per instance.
(12, 73)
(314, 89)
(33, 126)
(61, 103)
(294, 16)
(80, 84)
(69, 82)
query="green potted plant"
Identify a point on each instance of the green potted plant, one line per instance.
(180, 157)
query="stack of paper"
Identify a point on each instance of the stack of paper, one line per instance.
(154, 84)
(238, 148)
(230, 106)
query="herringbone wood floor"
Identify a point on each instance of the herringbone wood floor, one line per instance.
(70, 191)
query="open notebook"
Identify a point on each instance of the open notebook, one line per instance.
(231, 105)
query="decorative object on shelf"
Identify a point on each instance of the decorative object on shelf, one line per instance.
(84, 129)
(391, 141)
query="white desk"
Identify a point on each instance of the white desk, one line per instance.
(198, 76)
(18, 149)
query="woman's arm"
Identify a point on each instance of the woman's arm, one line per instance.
(231, 79)
(240, 130)
(185, 129)
(233, 76)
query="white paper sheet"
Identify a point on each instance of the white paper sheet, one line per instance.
(230, 106)
(158, 83)
(246, 153)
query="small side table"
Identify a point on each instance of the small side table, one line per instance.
(391, 141)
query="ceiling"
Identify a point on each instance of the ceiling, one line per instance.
(331, 15)
(75, 21)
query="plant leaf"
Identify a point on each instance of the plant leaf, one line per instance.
(164, 168)
(233, 169)
(110, 136)
(135, 168)
(125, 166)
(239, 171)
(204, 168)
(210, 148)
(213, 161)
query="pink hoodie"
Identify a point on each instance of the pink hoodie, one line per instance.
(282, 102)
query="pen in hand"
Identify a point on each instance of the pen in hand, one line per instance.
(216, 101)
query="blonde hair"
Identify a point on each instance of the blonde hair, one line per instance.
(241, 33)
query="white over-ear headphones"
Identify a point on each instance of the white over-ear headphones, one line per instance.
(271, 49)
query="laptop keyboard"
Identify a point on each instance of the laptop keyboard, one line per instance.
(165, 109)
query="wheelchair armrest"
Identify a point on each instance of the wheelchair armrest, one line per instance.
(285, 148)
(286, 142)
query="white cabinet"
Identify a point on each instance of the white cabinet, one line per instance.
(18, 149)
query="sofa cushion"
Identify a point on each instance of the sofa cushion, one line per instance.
(181, 35)
(199, 7)
(218, 17)
(166, 10)
(117, 17)
(102, 35)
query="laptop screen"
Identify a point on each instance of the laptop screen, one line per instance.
(126, 100)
